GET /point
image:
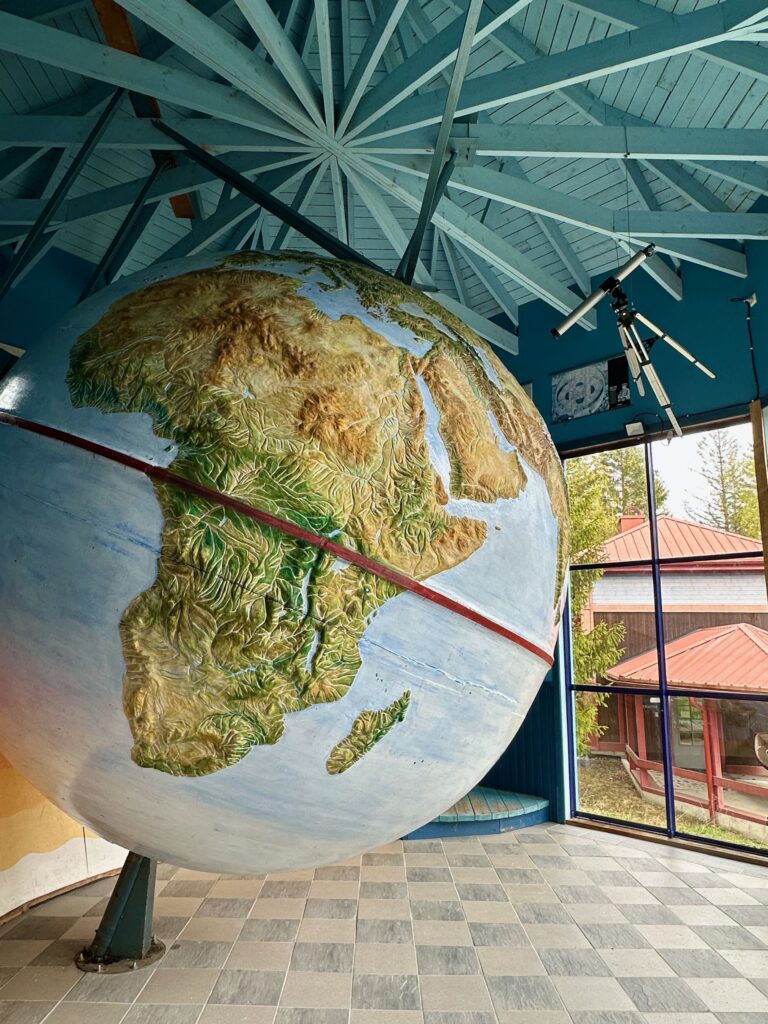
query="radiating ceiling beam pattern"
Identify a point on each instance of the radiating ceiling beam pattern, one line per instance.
(302, 103)
(634, 48)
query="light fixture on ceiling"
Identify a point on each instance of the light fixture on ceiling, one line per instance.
(636, 349)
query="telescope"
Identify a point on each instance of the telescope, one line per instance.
(636, 349)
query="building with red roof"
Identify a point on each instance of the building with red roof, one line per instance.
(716, 647)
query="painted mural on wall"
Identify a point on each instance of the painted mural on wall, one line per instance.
(41, 848)
(219, 691)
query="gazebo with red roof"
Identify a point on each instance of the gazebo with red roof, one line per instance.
(723, 660)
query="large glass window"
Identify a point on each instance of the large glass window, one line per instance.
(668, 638)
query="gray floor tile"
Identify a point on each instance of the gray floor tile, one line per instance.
(580, 894)
(662, 995)
(741, 1018)
(331, 908)
(613, 878)
(284, 889)
(729, 937)
(542, 913)
(676, 897)
(259, 988)
(574, 963)
(417, 873)
(383, 860)
(60, 953)
(383, 891)
(520, 876)
(423, 846)
(747, 915)
(341, 873)
(197, 954)
(477, 891)
(6, 973)
(24, 1013)
(32, 927)
(168, 929)
(374, 930)
(614, 936)
(191, 887)
(436, 910)
(645, 913)
(491, 934)
(467, 860)
(470, 1017)
(699, 963)
(165, 1013)
(107, 988)
(385, 992)
(447, 960)
(258, 929)
(529, 993)
(292, 1015)
(609, 1017)
(217, 907)
(323, 956)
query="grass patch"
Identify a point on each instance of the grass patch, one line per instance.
(606, 788)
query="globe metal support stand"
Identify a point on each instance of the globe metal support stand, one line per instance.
(124, 939)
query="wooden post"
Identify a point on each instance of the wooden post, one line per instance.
(761, 469)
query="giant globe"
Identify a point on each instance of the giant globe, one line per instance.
(189, 664)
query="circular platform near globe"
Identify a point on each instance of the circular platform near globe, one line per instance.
(284, 545)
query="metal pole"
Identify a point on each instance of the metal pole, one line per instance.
(266, 200)
(123, 235)
(658, 608)
(407, 267)
(29, 244)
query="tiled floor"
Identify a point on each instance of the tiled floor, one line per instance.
(551, 925)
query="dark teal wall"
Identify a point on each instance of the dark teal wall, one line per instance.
(533, 762)
(42, 297)
(705, 322)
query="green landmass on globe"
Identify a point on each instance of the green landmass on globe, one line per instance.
(367, 729)
(320, 421)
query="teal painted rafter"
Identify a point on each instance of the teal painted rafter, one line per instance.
(278, 45)
(458, 224)
(313, 175)
(373, 51)
(634, 14)
(678, 233)
(84, 57)
(213, 46)
(593, 60)
(427, 61)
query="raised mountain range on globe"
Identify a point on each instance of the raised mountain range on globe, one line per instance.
(278, 389)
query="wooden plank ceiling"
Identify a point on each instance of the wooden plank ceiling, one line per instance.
(569, 139)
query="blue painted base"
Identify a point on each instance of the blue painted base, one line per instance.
(485, 812)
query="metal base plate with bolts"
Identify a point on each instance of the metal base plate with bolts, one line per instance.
(124, 939)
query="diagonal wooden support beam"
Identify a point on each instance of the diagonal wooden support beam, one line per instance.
(437, 176)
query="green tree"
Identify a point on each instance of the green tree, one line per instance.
(596, 649)
(623, 472)
(728, 471)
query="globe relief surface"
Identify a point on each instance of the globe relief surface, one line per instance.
(230, 666)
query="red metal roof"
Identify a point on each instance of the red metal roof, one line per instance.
(679, 538)
(733, 657)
